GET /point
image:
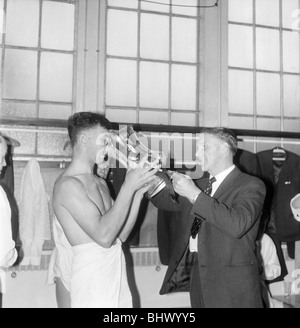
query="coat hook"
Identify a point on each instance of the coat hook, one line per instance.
(62, 165)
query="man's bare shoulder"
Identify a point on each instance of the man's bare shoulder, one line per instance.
(67, 186)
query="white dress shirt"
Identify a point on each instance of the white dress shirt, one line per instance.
(219, 179)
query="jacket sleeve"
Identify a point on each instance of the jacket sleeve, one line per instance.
(235, 220)
(164, 201)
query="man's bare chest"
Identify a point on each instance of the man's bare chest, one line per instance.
(98, 192)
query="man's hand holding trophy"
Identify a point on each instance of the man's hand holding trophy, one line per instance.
(127, 149)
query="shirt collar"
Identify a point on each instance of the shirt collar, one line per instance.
(221, 176)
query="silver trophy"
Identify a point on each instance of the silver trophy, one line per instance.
(128, 150)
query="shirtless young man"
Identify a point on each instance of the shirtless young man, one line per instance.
(60, 266)
(94, 225)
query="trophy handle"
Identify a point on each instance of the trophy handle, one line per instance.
(134, 140)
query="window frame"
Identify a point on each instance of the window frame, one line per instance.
(282, 117)
(39, 50)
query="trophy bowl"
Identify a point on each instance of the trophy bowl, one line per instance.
(128, 150)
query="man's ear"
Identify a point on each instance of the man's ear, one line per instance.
(224, 148)
(83, 138)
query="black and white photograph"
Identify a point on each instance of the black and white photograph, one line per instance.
(149, 156)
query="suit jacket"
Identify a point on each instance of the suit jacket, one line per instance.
(277, 210)
(227, 259)
(169, 223)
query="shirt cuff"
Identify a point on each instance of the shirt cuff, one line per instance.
(195, 197)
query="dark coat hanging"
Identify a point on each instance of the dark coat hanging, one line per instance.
(283, 183)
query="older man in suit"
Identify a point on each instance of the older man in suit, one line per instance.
(215, 256)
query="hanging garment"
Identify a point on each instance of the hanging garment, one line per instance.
(282, 179)
(270, 259)
(169, 227)
(271, 268)
(280, 170)
(118, 178)
(34, 214)
(118, 175)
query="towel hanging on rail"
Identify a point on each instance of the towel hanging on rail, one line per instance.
(34, 214)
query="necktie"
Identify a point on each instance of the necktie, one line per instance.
(197, 222)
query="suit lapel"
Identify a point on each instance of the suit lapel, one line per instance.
(226, 182)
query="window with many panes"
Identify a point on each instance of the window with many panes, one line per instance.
(152, 62)
(37, 58)
(264, 64)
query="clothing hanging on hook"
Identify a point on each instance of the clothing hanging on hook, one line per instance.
(12, 142)
(279, 158)
(34, 213)
(282, 185)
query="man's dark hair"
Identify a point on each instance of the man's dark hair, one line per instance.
(224, 134)
(82, 121)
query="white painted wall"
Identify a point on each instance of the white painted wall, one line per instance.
(28, 289)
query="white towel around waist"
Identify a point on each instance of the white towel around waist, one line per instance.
(60, 265)
(99, 278)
